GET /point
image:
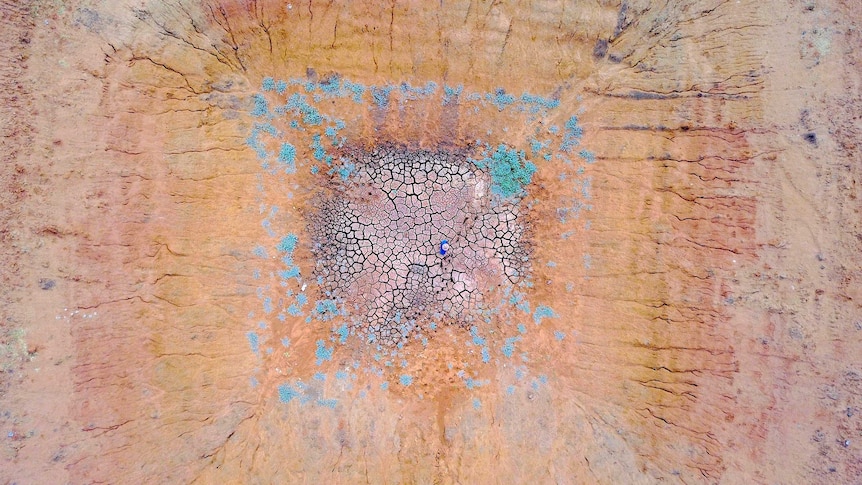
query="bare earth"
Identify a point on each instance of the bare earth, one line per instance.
(693, 308)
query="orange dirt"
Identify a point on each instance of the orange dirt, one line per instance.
(707, 303)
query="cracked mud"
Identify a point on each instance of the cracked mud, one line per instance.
(377, 238)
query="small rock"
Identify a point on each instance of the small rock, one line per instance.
(46, 284)
(59, 456)
(600, 49)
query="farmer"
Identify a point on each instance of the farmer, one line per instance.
(444, 247)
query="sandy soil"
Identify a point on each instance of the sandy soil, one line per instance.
(704, 298)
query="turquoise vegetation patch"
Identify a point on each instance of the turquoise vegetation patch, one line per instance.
(509, 169)
(296, 128)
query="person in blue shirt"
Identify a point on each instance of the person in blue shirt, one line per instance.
(444, 247)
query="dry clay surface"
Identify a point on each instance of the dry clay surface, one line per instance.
(207, 276)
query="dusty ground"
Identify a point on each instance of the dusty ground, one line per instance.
(707, 300)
